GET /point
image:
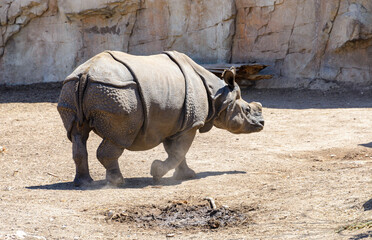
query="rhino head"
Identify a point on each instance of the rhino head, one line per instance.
(236, 115)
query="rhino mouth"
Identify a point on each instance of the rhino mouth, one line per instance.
(259, 127)
(251, 128)
(255, 125)
(260, 124)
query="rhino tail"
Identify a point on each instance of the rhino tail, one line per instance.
(79, 96)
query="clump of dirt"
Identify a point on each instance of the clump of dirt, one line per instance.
(182, 215)
(2, 149)
(335, 154)
(362, 155)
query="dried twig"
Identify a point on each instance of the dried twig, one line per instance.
(211, 202)
(51, 174)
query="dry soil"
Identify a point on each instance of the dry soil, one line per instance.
(307, 175)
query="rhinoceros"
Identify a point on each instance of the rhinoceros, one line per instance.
(137, 102)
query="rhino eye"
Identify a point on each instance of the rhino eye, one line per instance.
(247, 109)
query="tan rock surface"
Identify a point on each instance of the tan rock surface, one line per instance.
(310, 44)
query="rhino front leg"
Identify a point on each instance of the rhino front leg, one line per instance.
(183, 171)
(108, 154)
(176, 149)
(79, 137)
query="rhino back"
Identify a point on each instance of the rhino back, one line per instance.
(102, 68)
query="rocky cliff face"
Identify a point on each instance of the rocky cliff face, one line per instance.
(311, 44)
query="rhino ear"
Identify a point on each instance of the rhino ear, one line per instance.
(229, 76)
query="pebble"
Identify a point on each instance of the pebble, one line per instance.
(110, 214)
(21, 234)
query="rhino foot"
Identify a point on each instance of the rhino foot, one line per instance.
(158, 170)
(82, 181)
(114, 178)
(184, 174)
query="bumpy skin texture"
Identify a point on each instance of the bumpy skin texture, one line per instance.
(167, 102)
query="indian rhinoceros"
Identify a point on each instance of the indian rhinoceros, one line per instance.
(137, 102)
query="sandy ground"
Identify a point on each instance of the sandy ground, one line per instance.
(307, 175)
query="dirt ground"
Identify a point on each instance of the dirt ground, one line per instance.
(307, 175)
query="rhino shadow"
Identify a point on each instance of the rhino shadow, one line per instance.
(135, 182)
(368, 145)
(368, 205)
(366, 235)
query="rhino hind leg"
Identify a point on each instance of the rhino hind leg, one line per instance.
(108, 154)
(176, 149)
(79, 137)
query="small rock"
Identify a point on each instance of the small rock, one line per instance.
(21, 234)
(2, 149)
(39, 237)
(110, 214)
(169, 235)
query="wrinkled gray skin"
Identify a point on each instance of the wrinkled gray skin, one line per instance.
(117, 115)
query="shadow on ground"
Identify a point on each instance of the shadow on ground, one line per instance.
(141, 182)
(34, 93)
(366, 235)
(368, 205)
(368, 145)
(270, 98)
(305, 99)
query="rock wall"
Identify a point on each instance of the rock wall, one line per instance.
(311, 44)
